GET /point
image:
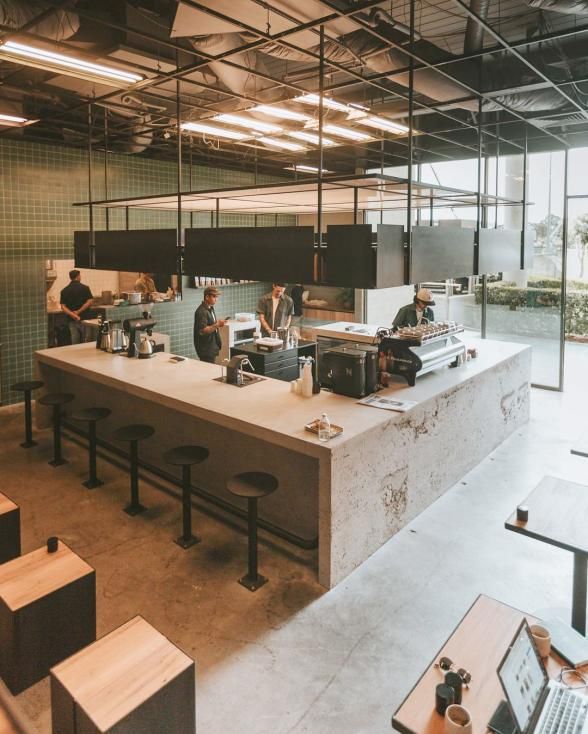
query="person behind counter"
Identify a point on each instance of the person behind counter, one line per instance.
(414, 313)
(275, 309)
(207, 340)
(75, 299)
(145, 283)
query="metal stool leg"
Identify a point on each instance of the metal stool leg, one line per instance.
(58, 459)
(187, 540)
(92, 482)
(253, 580)
(135, 507)
(28, 442)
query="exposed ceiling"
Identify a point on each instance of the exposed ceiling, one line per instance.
(517, 68)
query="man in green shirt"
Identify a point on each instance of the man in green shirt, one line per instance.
(418, 312)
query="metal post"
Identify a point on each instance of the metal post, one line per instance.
(478, 192)
(93, 480)
(126, 217)
(564, 277)
(319, 216)
(135, 507)
(187, 540)
(253, 580)
(217, 212)
(28, 442)
(179, 176)
(431, 212)
(524, 217)
(91, 206)
(355, 204)
(410, 147)
(106, 166)
(58, 459)
(579, 593)
(496, 174)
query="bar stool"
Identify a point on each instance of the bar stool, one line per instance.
(133, 434)
(252, 485)
(56, 400)
(27, 388)
(186, 457)
(91, 416)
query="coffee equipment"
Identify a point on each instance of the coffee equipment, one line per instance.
(146, 347)
(235, 369)
(136, 328)
(102, 333)
(351, 371)
(118, 340)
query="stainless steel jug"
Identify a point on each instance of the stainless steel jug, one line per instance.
(146, 348)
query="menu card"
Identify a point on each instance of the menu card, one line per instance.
(380, 401)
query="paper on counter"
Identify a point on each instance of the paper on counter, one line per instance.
(380, 401)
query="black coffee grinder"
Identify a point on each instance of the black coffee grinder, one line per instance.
(134, 328)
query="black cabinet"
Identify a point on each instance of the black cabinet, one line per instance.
(281, 364)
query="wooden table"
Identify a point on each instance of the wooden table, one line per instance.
(558, 515)
(132, 680)
(477, 644)
(9, 529)
(47, 612)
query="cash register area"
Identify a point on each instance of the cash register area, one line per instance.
(302, 659)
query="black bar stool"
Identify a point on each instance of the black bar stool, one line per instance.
(56, 400)
(186, 457)
(27, 388)
(133, 434)
(252, 485)
(91, 416)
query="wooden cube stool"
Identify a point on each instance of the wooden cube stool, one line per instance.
(9, 529)
(47, 612)
(132, 680)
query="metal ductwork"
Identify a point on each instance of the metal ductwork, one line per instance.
(474, 37)
(569, 7)
(58, 26)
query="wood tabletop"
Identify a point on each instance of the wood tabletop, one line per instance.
(558, 515)
(478, 645)
(6, 505)
(28, 578)
(119, 672)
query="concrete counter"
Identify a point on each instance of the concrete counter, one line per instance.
(354, 492)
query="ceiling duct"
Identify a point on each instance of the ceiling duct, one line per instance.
(569, 7)
(474, 37)
(58, 26)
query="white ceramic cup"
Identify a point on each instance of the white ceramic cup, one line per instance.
(542, 639)
(457, 720)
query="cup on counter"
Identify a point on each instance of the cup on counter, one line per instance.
(542, 639)
(274, 334)
(457, 720)
(297, 386)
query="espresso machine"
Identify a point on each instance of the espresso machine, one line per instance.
(135, 328)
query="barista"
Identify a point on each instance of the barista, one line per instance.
(275, 309)
(207, 340)
(145, 284)
(416, 313)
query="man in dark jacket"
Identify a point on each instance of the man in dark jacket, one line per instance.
(75, 300)
(207, 340)
(418, 312)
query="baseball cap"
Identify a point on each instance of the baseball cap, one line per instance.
(211, 291)
(425, 295)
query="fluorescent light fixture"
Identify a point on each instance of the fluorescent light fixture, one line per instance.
(262, 127)
(219, 132)
(40, 58)
(344, 132)
(310, 138)
(306, 169)
(281, 144)
(314, 99)
(282, 113)
(382, 124)
(13, 120)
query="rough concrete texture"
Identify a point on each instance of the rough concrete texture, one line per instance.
(291, 658)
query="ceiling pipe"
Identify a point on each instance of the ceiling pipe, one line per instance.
(569, 7)
(58, 25)
(474, 37)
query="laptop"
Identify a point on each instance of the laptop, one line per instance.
(539, 705)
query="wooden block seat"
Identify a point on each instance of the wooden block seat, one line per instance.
(9, 529)
(186, 457)
(132, 680)
(47, 612)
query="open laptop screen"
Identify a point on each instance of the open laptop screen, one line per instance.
(523, 677)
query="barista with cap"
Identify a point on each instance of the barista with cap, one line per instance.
(416, 313)
(207, 340)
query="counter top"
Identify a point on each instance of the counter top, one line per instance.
(266, 409)
(348, 330)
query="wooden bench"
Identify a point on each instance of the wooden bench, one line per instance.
(47, 612)
(12, 720)
(9, 529)
(132, 680)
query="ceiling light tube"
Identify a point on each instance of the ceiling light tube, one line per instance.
(383, 124)
(219, 132)
(344, 132)
(13, 120)
(262, 127)
(306, 169)
(49, 60)
(310, 138)
(281, 113)
(314, 99)
(285, 144)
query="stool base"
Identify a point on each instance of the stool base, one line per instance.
(253, 584)
(133, 510)
(58, 462)
(185, 544)
(92, 483)
(28, 444)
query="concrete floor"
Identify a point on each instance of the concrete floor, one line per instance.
(292, 658)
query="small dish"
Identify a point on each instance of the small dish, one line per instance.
(313, 428)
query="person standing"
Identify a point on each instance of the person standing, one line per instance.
(145, 283)
(275, 309)
(75, 299)
(296, 295)
(418, 312)
(207, 340)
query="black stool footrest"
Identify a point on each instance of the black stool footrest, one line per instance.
(253, 584)
(133, 510)
(185, 544)
(92, 483)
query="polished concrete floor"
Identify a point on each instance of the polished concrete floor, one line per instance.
(291, 657)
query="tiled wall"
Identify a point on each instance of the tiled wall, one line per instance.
(38, 185)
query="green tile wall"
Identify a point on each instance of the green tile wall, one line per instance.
(38, 185)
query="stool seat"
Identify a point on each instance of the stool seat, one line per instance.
(56, 398)
(24, 386)
(252, 484)
(89, 415)
(186, 455)
(135, 432)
